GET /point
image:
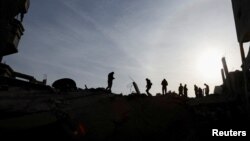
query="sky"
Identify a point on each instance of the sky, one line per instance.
(180, 40)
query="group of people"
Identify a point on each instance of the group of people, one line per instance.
(199, 92)
(183, 90)
(149, 84)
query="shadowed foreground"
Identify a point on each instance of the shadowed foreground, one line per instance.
(98, 115)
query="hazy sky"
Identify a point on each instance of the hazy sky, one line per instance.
(180, 40)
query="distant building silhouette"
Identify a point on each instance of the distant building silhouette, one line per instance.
(164, 84)
(110, 81)
(181, 90)
(148, 86)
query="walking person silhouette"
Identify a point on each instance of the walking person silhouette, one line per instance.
(110, 81)
(148, 86)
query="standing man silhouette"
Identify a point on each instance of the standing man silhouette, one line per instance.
(110, 81)
(196, 91)
(148, 86)
(206, 89)
(181, 90)
(164, 84)
(185, 91)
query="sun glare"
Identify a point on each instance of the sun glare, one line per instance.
(209, 64)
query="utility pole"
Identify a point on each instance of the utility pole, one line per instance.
(228, 81)
(244, 71)
(223, 76)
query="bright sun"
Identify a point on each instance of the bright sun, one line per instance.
(209, 64)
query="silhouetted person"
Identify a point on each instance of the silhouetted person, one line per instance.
(181, 90)
(200, 92)
(196, 91)
(164, 84)
(110, 81)
(148, 86)
(185, 90)
(206, 89)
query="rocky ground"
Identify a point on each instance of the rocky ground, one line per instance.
(98, 115)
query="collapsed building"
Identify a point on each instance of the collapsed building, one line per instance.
(102, 116)
(11, 30)
(233, 82)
